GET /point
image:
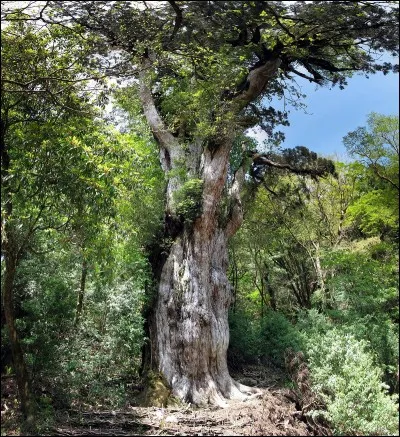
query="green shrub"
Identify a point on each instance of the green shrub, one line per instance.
(48, 317)
(344, 374)
(360, 283)
(267, 338)
(188, 199)
(277, 335)
(244, 342)
(364, 290)
(105, 353)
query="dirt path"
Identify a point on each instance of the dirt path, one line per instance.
(270, 413)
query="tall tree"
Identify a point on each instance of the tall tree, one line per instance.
(377, 147)
(204, 71)
(42, 88)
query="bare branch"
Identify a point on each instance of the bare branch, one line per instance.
(178, 20)
(318, 80)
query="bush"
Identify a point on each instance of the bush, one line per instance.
(48, 317)
(105, 353)
(188, 200)
(344, 374)
(364, 302)
(360, 284)
(277, 335)
(244, 343)
(264, 339)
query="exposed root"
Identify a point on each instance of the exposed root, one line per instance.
(270, 415)
(246, 389)
(213, 395)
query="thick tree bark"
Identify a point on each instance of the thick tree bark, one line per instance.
(192, 332)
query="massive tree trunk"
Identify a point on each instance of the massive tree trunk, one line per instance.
(189, 330)
(192, 332)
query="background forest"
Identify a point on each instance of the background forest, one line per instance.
(314, 268)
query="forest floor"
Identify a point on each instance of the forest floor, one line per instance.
(273, 412)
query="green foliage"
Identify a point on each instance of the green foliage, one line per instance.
(240, 148)
(360, 284)
(337, 239)
(93, 362)
(345, 375)
(377, 146)
(374, 213)
(76, 192)
(79, 191)
(196, 77)
(265, 339)
(277, 335)
(105, 353)
(364, 300)
(244, 339)
(188, 200)
(43, 64)
(44, 307)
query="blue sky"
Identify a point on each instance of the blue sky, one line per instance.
(331, 114)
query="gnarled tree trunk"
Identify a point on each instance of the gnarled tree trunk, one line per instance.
(189, 330)
(192, 332)
(191, 318)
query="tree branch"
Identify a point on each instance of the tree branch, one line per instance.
(178, 20)
(313, 78)
(257, 80)
(262, 159)
(168, 143)
(236, 213)
(280, 24)
(385, 178)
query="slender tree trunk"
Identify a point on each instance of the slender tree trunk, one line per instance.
(6, 355)
(12, 254)
(81, 293)
(270, 290)
(271, 293)
(235, 280)
(262, 292)
(320, 274)
(21, 372)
